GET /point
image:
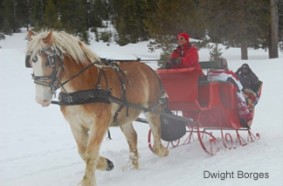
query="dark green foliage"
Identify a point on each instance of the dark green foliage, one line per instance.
(105, 36)
(171, 17)
(51, 16)
(37, 8)
(162, 62)
(240, 23)
(234, 22)
(215, 53)
(128, 19)
(7, 20)
(96, 12)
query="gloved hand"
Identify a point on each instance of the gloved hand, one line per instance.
(175, 61)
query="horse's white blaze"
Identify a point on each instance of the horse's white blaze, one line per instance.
(43, 94)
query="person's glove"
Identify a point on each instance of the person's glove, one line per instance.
(175, 61)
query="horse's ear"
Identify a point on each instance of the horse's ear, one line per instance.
(30, 35)
(48, 38)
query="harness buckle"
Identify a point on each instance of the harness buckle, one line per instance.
(69, 99)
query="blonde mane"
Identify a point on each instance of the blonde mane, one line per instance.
(67, 44)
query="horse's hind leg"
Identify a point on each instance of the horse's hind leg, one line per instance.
(131, 137)
(154, 122)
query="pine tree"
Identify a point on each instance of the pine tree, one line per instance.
(240, 23)
(2, 16)
(128, 20)
(50, 17)
(22, 13)
(72, 17)
(9, 17)
(37, 8)
(97, 11)
(215, 53)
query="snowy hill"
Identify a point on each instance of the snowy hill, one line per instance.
(38, 149)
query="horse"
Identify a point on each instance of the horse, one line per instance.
(94, 95)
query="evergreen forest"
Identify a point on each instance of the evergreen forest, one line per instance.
(240, 23)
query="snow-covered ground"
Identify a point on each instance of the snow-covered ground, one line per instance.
(38, 149)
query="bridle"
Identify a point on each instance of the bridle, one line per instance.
(55, 61)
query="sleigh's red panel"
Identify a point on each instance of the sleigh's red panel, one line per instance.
(208, 94)
(181, 86)
(229, 101)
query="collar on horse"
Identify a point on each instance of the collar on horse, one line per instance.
(97, 94)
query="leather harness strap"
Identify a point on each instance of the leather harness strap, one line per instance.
(103, 95)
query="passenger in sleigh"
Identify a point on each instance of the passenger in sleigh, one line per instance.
(251, 84)
(185, 55)
(224, 74)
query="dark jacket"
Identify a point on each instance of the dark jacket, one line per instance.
(248, 78)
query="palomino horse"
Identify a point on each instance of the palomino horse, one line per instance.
(95, 94)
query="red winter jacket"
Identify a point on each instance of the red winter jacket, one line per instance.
(189, 57)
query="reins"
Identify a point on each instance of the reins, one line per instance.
(79, 73)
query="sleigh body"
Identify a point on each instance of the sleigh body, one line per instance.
(212, 105)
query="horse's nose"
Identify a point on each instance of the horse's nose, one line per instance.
(44, 102)
(43, 95)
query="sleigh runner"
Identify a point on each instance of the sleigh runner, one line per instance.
(212, 105)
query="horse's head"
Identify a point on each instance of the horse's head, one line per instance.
(46, 61)
(47, 54)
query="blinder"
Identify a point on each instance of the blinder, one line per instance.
(28, 65)
(51, 60)
(51, 56)
(51, 53)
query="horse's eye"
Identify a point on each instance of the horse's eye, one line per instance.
(34, 59)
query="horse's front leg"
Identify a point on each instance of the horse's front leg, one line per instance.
(91, 155)
(104, 164)
(131, 137)
(81, 137)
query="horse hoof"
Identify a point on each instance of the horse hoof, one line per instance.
(162, 152)
(110, 165)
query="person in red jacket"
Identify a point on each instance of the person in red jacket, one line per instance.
(185, 55)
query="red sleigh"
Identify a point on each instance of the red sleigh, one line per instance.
(212, 105)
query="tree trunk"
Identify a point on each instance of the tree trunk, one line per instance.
(273, 43)
(244, 51)
(243, 30)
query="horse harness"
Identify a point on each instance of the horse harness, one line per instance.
(88, 96)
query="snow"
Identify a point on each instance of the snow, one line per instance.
(38, 149)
